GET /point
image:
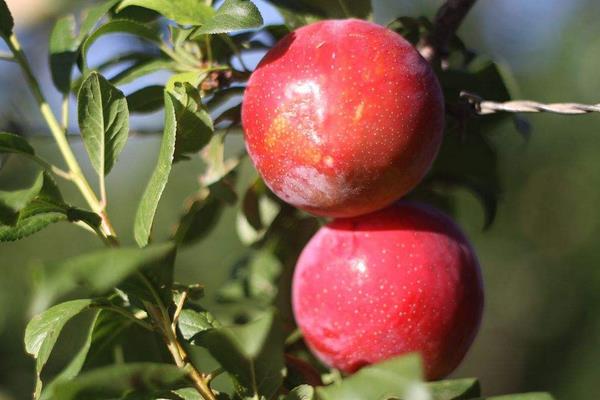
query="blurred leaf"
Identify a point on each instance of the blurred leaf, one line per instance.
(304, 11)
(252, 354)
(63, 54)
(257, 213)
(194, 125)
(76, 364)
(98, 271)
(117, 380)
(204, 210)
(188, 394)
(233, 15)
(302, 392)
(184, 12)
(468, 162)
(6, 20)
(398, 377)
(456, 389)
(11, 143)
(149, 203)
(192, 322)
(43, 330)
(11, 202)
(523, 396)
(138, 14)
(118, 26)
(93, 15)
(214, 157)
(141, 68)
(45, 208)
(146, 100)
(103, 120)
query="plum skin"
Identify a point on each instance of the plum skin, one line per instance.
(403, 279)
(342, 117)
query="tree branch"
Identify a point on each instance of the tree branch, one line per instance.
(483, 107)
(434, 46)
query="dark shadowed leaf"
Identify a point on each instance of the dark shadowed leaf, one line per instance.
(11, 202)
(92, 16)
(6, 20)
(194, 125)
(184, 12)
(11, 143)
(455, 389)
(141, 68)
(149, 202)
(118, 26)
(76, 364)
(233, 15)
(43, 331)
(252, 354)
(115, 381)
(103, 120)
(146, 100)
(257, 213)
(63, 53)
(395, 378)
(98, 271)
(297, 12)
(46, 207)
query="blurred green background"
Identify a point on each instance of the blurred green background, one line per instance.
(541, 329)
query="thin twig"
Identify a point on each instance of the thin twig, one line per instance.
(447, 20)
(483, 107)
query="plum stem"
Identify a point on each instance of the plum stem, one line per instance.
(447, 21)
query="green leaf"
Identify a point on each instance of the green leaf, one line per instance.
(205, 209)
(6, 20)
(118, 26)
(98, 271)
(93, 15)
(76, 364)
(46, 207)
(11, 143)
(395, 378)
(151, 197)
(184, 12)
(146, 100)
(43, 331)
(233, 15)
(300, 12)
(257, 213)
(115, 381)
(188, 394)
(63, 54)
(194, 125)
(523, 396)
(103, 120)
(456, 389)
(141, 68)
(192, 322)
(252, 354)
(302, 392)
(15, 201)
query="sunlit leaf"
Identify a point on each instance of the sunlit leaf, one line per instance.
(184, 12)
(149, 203)
(63, 53)
(103, 120)
(233, 15)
